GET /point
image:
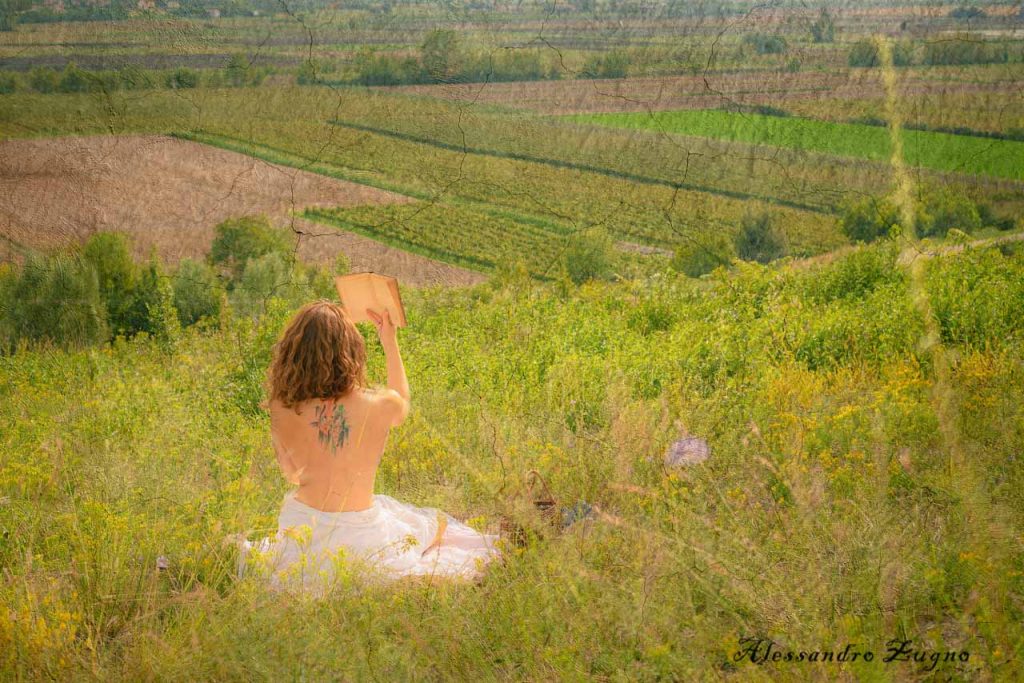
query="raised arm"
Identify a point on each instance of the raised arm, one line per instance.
(398, 385)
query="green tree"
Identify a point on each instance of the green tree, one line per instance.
(942, 209)
(197, 292)
(237, 70)
(824, 29)
(145, 299)
(863, 53)
(589, 255)
(702, 254)
(441, 54)
(237, 240)
(265, 277)
(110, 255)
(759, 240)
(8, 83)
(182, 78)
(57, 298)
(9, 11)
(43, 79)
(73, 79)
(869, 219)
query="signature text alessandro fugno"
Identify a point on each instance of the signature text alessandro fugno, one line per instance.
(766, 651)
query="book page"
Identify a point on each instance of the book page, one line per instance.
(361, 291)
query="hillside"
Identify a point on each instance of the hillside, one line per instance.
(861, 486)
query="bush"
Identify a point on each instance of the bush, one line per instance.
(865, 53)
(823, 30)
(237, 240)
(990, 219)
(855, 275)
(869, 219)
(966, 48)
(73, 79)
(237, 70)
(441, 54)
(589, 255)
(144, 300)
(197, 293)
(8, 83)
(766, 44)
(265, 277)
(182, 78)
(703, 254)
(43, 80)
(57, 298)
(614, 64)
(758, 240)
(110, 255)
(942, 209)
(133, 78)
(966, 12)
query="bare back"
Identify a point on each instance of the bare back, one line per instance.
(331, 448)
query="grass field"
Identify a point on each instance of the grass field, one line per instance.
(863, 404)
(938, 151)
(832, 509)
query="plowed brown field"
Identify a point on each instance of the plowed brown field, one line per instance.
(169, 194)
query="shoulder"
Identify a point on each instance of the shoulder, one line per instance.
(391, 403)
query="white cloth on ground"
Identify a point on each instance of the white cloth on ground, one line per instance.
(390, 534)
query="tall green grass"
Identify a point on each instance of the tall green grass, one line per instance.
(824, 516)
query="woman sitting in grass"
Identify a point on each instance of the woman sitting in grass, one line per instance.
(329, 432)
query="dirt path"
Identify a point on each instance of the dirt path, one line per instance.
(168, 194)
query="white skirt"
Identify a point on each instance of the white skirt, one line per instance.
(389, 535)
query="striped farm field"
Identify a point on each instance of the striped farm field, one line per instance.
(937, 151)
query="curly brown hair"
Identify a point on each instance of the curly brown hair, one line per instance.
(320, 355)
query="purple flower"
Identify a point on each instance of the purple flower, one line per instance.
(689, 450)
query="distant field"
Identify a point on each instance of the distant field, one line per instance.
(938, 151)
(169, 194)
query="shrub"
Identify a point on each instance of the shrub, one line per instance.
(965, 48)
(265, 277)
(133, 78)
(589, 255)
(197, 293)
(854, 275)
(941, 209)
(758, 240)
(766, 44)
(703, 254)
(73, 79)
(441, 54)
(110, 255)
(145, 299)
(309, 73)
(869, 219)
(614, 64)
(57, 298)
(967, 12)
(237, 70)
(990, 219)
(824, 29)
(8, 83)
(237, 240)
(43, 80)
(182, 78)
(865, 53)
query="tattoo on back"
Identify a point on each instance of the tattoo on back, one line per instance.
(331, 426)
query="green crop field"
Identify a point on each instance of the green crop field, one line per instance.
(938, 151)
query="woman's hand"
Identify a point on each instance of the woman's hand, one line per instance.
(386, 330)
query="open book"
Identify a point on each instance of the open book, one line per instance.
(360, 291)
